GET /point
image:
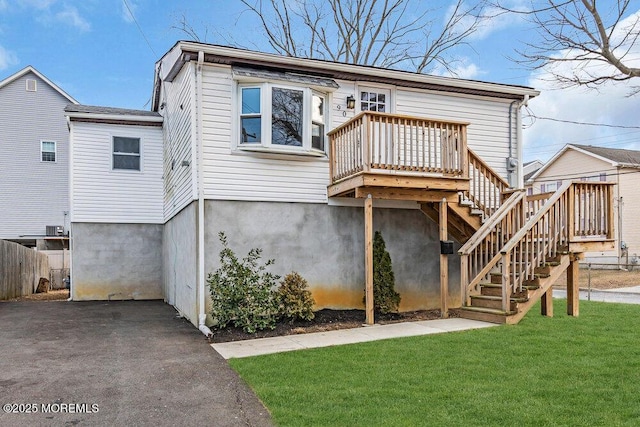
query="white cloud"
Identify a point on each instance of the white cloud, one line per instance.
(609, 103)
(69, 15)
(7, 58)
(128, 13)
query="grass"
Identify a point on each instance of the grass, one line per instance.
(560, 371)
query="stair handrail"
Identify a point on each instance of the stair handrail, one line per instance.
(476, 248)
(486, 186)
(495, 219)
(554, 225)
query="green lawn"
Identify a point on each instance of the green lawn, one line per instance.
(559, 371)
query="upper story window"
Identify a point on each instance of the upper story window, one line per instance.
(126, 153)
(48, 151)
(31, 85)
(282, 117)
(375, 99)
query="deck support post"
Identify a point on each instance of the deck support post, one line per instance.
(368, 262)
(573, 288)
(546, 303)
(444, 262)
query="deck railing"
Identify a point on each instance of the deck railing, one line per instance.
(380, 142)
(577, 212)
(486, 188)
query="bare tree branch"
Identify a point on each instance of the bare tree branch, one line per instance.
(384, 33)
(581, 43)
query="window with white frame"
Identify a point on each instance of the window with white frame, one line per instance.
(48, 151)
(282, 117)
(126, 153)
(375, 99)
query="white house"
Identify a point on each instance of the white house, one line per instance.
(259, 146)
(601, 164)
(34, 162)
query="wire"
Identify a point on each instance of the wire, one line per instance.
(573, 122)
(126, 4)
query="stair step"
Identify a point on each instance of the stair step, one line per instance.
(484, 314)
(495, 301)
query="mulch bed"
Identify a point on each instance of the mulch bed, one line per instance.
(325, 320)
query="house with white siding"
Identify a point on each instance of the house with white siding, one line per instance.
(601, 164)
(34, 162)
(303, 159)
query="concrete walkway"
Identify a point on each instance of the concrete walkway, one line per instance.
(261, 346)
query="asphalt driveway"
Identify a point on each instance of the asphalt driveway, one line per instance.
(114, 363)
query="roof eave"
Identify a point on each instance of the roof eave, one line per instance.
(187, 47)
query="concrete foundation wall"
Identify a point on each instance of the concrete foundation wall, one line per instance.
(325, 244)
(179, 255)
(116, 261)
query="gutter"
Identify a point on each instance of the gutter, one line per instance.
(202, 315)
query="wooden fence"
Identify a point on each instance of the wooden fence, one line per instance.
(20, 270)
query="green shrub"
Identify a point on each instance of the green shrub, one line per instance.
(385, 297)
(242, 291)
(294, 299)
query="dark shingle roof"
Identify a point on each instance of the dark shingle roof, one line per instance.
(617, 155)
(91, 109)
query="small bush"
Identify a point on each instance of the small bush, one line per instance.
(385, 298)
(242, 291)
(294, 299)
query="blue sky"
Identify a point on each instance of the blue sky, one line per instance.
(100, 55)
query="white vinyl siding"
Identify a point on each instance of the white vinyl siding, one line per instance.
(33, 193)
(488, 130)
(235, 175)
(101, 194)
(179, 162)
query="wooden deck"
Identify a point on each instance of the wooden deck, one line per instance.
(526, 242)
(393, 156)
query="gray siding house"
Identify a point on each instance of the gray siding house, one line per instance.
(34, 161)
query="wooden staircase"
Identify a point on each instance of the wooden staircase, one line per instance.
(514, 246)
(519, 252)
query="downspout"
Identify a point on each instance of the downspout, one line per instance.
(514, 164)
(202, 316)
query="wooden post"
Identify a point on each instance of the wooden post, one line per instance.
(573, 288)
(444, 262)
(368, 261)
(546, 307)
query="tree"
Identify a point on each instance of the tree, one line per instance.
(384, 33)
(385, 298)
(581, 42)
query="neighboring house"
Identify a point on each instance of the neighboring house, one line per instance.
(529, 169)
(601, 164)
(34, 163)
(302, 158)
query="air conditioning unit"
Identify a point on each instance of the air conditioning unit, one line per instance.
(55, 230)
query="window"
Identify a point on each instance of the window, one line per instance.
(48, 151)
(278, 117)
(31, 85)
(372, 99)
(603, 176)
(126, 153)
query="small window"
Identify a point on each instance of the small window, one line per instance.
(530, 191)
(543, 188)
(126, 153)
(48, 151)
(32, 85)
(603, 176)
(317, 122)
(374, 100)
(251, 116)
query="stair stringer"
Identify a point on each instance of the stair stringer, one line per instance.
(544, 284)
